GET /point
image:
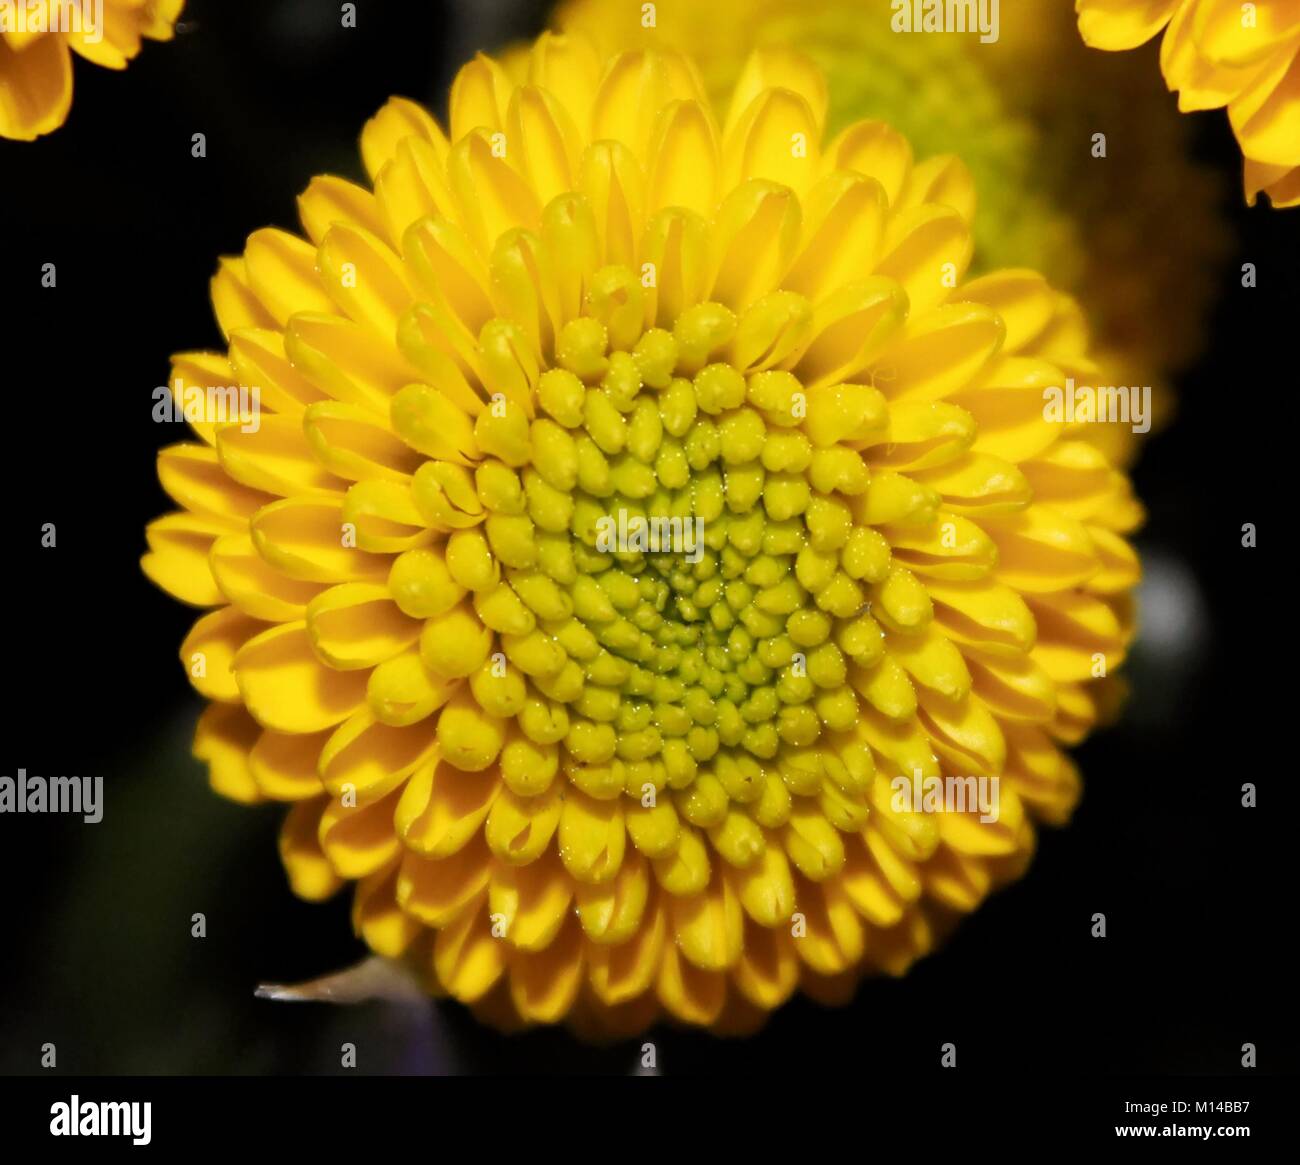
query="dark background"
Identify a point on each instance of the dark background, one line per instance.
(96, 949)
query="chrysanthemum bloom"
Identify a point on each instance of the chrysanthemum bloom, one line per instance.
(38, 38)
(1020, 113)
(578, 780)
(1218, 53)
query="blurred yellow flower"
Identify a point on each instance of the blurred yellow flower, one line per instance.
(1139, 251)
(654, 576)
(38, 38)
(1218, 53)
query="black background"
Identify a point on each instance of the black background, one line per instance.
(97, 955)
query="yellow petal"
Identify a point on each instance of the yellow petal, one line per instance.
(203, 393)
(288, 689)
(35, 87)
(1280, 183)
(634, 88)
(358, 841)
(689, 993)
(709, 927)
(282, 274)
(776, 138)
(468, 958)
(255, 587)
(1226, 38)
(933, 662)
(530, 903)
(687, 869)
(275, 458)
(284, 766)
(1116, 25)
(177, 561)
(875, 149)
(766, 888)
(1266, 115)
(210, 649)
(779, 68)
(964, 732)
(520, 828)
(442, 808)
(398, 120)
(849, 330)
(620, 972)
(1075, 632)
(676, 245)
(752, 242)
(943, 179)
(492, 197)
(867, 888)
(979, 483)
(1013, 689)
(352, 443)
(440, 891)
(525, 286)
(1006, 400)
(684, 163)
(927, 250)
(385, 517)
(592, 837)
(259, 358)
(480, 94)
(983, 614)
(192, 475)
(364, 277)
(544, 984)
(1041, 549)
(569, 67)
(223, 739)
(812, 843)
(328, 200)
(233, 299)
(1200, 83)
(844, 224)
(412, 186)
(1022, 299)
(835, 937)
(377, 918)
(309, 870)
(306, 539)
(611, 912)
(767, 972)
(357, 625)
(547, 147)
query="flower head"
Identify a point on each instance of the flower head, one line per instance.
(579, 770)
(38, 37)
(1218, 53)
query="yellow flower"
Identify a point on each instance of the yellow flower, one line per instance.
(1216, 53)
(38, 37)
(578, 779)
